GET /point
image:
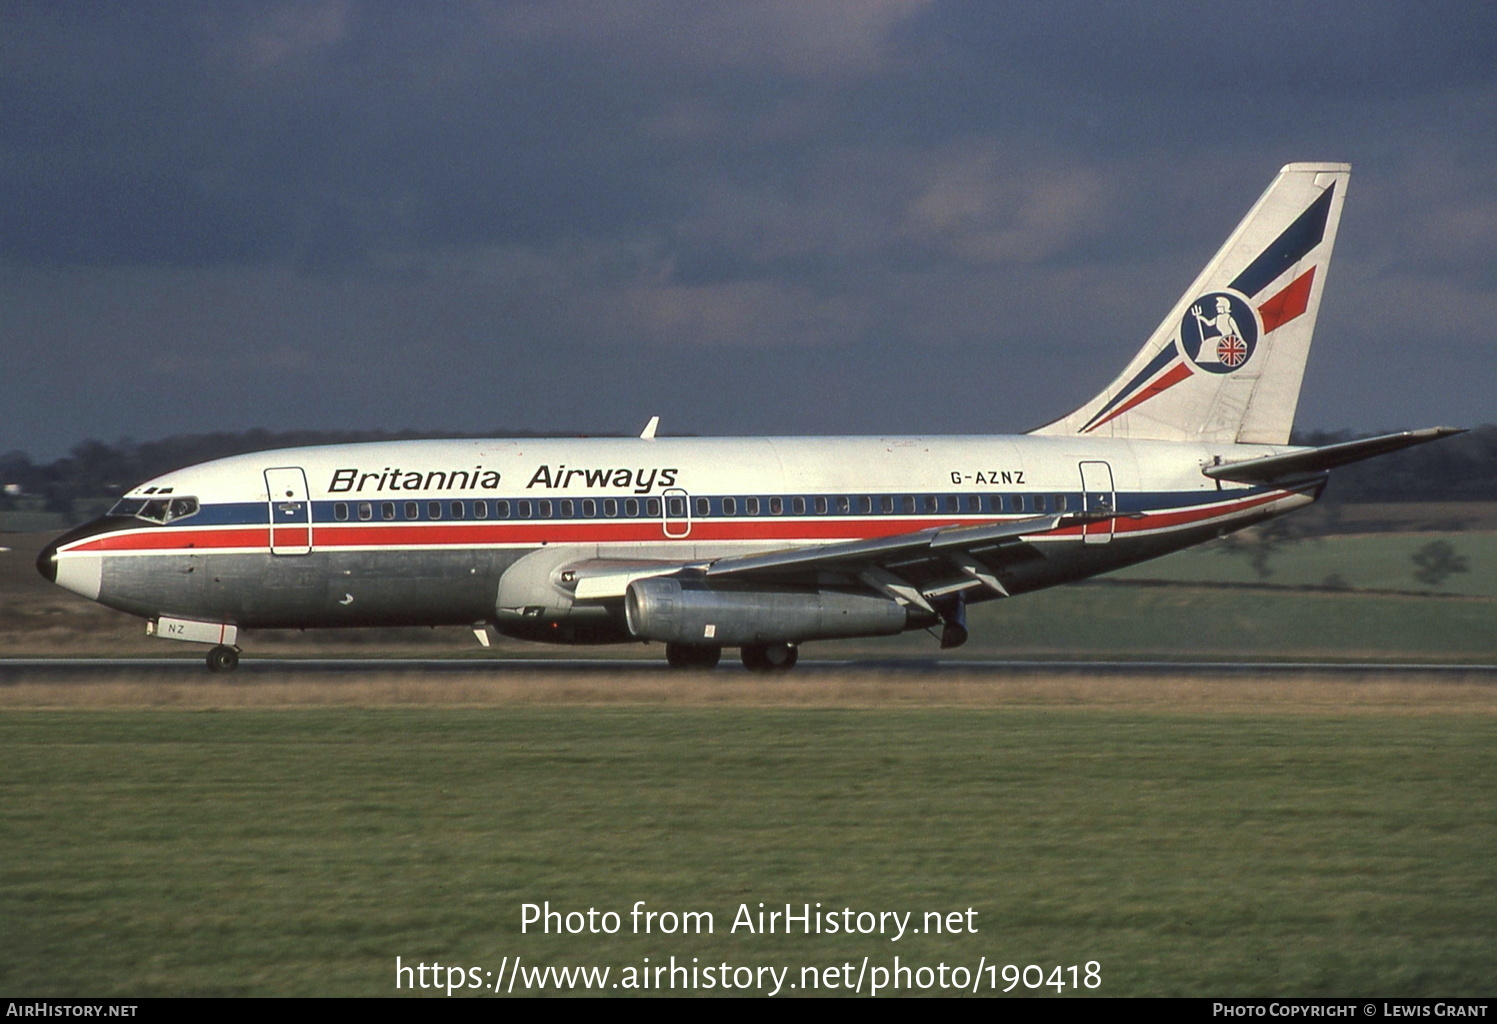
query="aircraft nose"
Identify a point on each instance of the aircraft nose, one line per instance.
(46, 562)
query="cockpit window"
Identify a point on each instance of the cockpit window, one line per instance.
(181, 508)
(156, 510)
(126, 507)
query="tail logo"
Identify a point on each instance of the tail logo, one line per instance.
(1220, 332)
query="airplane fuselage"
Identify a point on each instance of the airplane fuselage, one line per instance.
(466, 532)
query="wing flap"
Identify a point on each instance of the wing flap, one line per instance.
(880, 551)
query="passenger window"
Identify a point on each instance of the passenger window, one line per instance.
(974, 503)
(1018, 503)
(751, 506)
(798, 506)
(366, 511)
(480, 510)
(631, 507)
(568, 509)
(434, 510)
(704, 506)
(844, 504)
(340, 511)
(1039, 503)
(931, 503)
(589, 508)
(997, 502)
(1060, 503)
(459, 510)
(501, 510)
(652, 506)
(412, 510)
(730, 506)
(387, 510)
(865, 504)
(821, 506)
(676, 508)
(522, 509)
(610, 507)
(776, 506)
(953, 503)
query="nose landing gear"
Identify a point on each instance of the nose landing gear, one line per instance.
(223, 659)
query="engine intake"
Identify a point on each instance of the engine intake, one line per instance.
(672, 610)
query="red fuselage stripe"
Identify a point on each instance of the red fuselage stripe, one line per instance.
(474, 534)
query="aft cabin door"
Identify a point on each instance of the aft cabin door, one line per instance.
(1098, 495)
(290, 511)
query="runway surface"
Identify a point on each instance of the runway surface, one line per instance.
(40, 669)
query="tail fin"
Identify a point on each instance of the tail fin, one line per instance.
(1227, 362)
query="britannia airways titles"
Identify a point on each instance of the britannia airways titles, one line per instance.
(355, 481)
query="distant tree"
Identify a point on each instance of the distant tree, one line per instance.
(1260, 544)
(1436, 562)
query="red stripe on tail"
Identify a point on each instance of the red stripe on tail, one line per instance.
(1289, 303)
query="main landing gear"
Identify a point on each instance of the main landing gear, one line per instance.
(770, 657)
(223, 658)
(756, 657)
(692, 656)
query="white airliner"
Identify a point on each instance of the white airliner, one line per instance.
(756, 543)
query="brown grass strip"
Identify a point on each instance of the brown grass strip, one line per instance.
(1269, 693)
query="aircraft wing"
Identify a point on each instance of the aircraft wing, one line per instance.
(911, 567)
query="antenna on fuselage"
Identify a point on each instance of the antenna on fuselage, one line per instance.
(648, 434)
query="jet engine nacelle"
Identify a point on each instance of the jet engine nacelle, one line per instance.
(673, 610)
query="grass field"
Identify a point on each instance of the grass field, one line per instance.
(1370, 561)
(1243, 837)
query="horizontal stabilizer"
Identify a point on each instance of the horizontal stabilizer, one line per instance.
(1314, 460)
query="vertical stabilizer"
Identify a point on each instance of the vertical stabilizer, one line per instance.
(1227, 362)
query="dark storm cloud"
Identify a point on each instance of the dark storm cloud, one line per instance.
(306, 131)
(571, 214)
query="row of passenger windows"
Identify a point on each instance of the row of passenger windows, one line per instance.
(676, 508)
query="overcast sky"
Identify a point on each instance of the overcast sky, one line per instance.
(783, 217)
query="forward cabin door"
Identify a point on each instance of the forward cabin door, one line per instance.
(290, 511)
(1098, 495)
